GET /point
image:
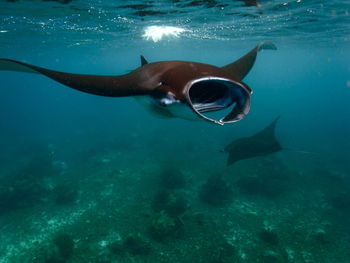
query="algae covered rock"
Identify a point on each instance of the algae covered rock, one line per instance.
(136, 245)
(171, 202)
(133, 244)
(164, 226)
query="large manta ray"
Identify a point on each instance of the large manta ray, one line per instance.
(171, 86)
(260, 144)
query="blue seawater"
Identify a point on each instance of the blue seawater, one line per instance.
(86, 178)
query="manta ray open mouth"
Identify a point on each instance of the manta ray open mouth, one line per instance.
(212, 94)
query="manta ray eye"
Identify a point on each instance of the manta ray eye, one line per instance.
(212, 97)
(163, 98)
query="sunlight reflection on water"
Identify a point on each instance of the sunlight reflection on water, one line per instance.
(157, 33)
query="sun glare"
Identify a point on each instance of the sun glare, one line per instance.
(157, 33)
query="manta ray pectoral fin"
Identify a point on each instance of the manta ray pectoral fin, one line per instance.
(270, 129)
(143, 61)
(12, 65)
(241, 67)
(110, 86)
(266, 45)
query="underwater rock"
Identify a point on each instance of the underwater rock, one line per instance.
(215, 191)
(170, 202)
(117, 248)
(321, 237)
(172, 178)
(136, 245)
(133, 244)
(268, 236)
(65, 244)
(63, 249)
(164, 226)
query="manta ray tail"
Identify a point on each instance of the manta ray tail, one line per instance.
(241, 67)
(110, 86)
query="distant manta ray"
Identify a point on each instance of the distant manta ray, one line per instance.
(260, 144)
(171, 86)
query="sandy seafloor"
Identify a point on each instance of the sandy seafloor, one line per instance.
(94, 179)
